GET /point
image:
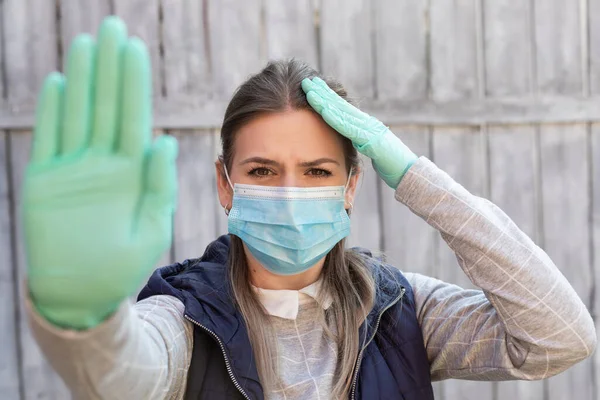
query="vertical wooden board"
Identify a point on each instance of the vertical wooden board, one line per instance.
(78, 17)
(40, 380)
(30, 49)
(408, 242)
(346, 45)
(187, 57)
(453, 49)
(565, 207)
(401, 49)
(290, 30)
(236, 43)
(141, 17)
(507, 48)
(558, 47)
(9, 366)
(31, 52)
(595, 221)
(513, 177)
(594, 45)
(460, 152)
(366, 224)
(195, 219)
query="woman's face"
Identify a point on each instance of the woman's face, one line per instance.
(293, 148)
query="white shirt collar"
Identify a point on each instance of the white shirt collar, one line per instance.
(285, 303)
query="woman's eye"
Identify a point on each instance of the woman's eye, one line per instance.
(319, 172)
(259, 172)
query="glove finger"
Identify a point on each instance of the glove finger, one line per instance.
(136, 109)
(315, 101)
(161, 175)
(78, 94)
(111, 42)
(321, 87)
(48, 117)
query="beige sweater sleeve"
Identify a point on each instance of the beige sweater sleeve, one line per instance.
(526, 322)
(143, 351)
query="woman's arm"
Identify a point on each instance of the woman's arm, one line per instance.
(526, 323)
(143, 351)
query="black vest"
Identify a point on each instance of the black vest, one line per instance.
(393, 365)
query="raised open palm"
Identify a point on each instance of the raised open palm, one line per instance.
(98, 195)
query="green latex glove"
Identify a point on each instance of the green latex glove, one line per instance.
(98, 195)
(390, 157)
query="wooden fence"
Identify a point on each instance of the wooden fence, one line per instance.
(502, 94)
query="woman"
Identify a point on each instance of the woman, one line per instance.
(278, 308)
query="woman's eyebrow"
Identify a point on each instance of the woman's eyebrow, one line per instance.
(259, 160)
(318, 162)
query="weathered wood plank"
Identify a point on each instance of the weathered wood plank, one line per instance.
(565, 207)
(513, 186)
(453, 49)
(195, 219)
(401, 50)
(408, 242)
(595, 231)
(236, 44)
(141, 17)
(291, 30)
(346, 55)
(558, 47)
(187, 57)
(346, 46)
(456, 72)
(30, 55)
(10, 379)
(512, 150)
(199, 113)
(508, 50)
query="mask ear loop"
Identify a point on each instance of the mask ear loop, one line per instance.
(229, 181)
(346, 189)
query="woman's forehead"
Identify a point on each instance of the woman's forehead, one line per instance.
(288, 136)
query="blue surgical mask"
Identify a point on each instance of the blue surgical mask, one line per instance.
(288, 229)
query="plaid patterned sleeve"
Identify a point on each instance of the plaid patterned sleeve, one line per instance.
(142, 351)
(526, 322)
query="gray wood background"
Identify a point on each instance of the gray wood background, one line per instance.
(502, 94)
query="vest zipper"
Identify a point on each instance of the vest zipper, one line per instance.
(227, 364)
(360, 354)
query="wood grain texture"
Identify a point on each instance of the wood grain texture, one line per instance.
(9, 341)
(565, 207)
(595, 232)
(558, 47)
(346, 45)
(401, 49)
(187, 58)
(291, 30)
(236, 35)
(512, 149)
(408, 242)
(456, 51)
(30, 55)
(141, 17)
(453, 49)
(195, 219)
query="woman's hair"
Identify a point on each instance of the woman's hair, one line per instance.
(346, 276)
